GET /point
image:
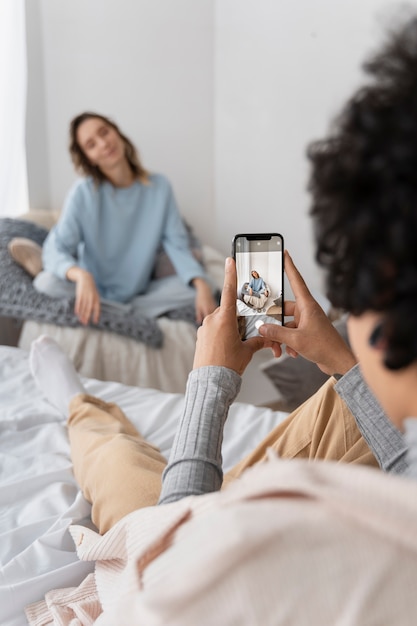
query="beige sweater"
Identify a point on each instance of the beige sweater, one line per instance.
(292, 542)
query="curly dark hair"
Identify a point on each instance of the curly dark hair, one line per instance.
(82, 163)
(364, 197)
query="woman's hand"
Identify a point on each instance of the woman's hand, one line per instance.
(311, 333)
(87, 298)
(218, 340)
(204, 301)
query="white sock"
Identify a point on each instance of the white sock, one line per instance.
(54, 373)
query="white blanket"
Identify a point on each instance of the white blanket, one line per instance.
(39, 498)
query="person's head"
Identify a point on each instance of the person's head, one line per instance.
(364, 207)
(96, 144)
(254, 274)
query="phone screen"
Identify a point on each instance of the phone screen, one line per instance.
(260, 273)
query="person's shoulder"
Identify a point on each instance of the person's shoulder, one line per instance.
(159, 180)
(79, 195)
(82, 186)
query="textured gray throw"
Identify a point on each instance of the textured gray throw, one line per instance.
(19, 299)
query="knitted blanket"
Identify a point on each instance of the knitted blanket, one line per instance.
(19, 299)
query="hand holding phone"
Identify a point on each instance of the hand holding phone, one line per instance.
(260, 280)
(218, 339)
(310, 333)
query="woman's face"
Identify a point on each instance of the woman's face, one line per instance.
(255, 274)
(101, 144)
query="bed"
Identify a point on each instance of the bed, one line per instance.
(39, 498)
(132, 353)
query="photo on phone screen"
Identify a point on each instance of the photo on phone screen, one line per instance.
(260, 285)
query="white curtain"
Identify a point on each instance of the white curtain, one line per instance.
(13, 174)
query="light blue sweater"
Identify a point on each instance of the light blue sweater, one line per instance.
(114, 233)
(257, 285)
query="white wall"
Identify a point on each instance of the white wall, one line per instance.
(146, 63)
(282, 69)
(222, 96)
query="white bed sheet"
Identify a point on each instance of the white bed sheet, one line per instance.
(39, 498)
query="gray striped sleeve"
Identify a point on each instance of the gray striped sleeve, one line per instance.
(385, 440)
(195, 462)
(410, 425)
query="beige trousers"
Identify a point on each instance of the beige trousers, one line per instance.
(119, 472)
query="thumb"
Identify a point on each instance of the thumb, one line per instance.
(274, 332)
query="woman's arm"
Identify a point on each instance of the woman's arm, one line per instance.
(176, 244)
(175, 238)
(87, 297)
(204, 300)
(60, 255)
(60, 249)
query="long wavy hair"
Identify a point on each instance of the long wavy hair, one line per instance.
(85, 167)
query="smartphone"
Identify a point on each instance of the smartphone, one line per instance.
(260, 280)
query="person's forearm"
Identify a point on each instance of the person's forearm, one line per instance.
(384, 439)
(410, 425)
(195, 463)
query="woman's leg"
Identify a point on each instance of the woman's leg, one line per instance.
(163, 295)
(256, 301)
(51, 285)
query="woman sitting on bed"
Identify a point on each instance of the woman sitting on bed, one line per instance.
(257, 285)
(103, 249)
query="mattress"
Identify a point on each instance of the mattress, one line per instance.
(108, 356)
(39, 498)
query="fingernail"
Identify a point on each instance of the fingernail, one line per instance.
(258, 324)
